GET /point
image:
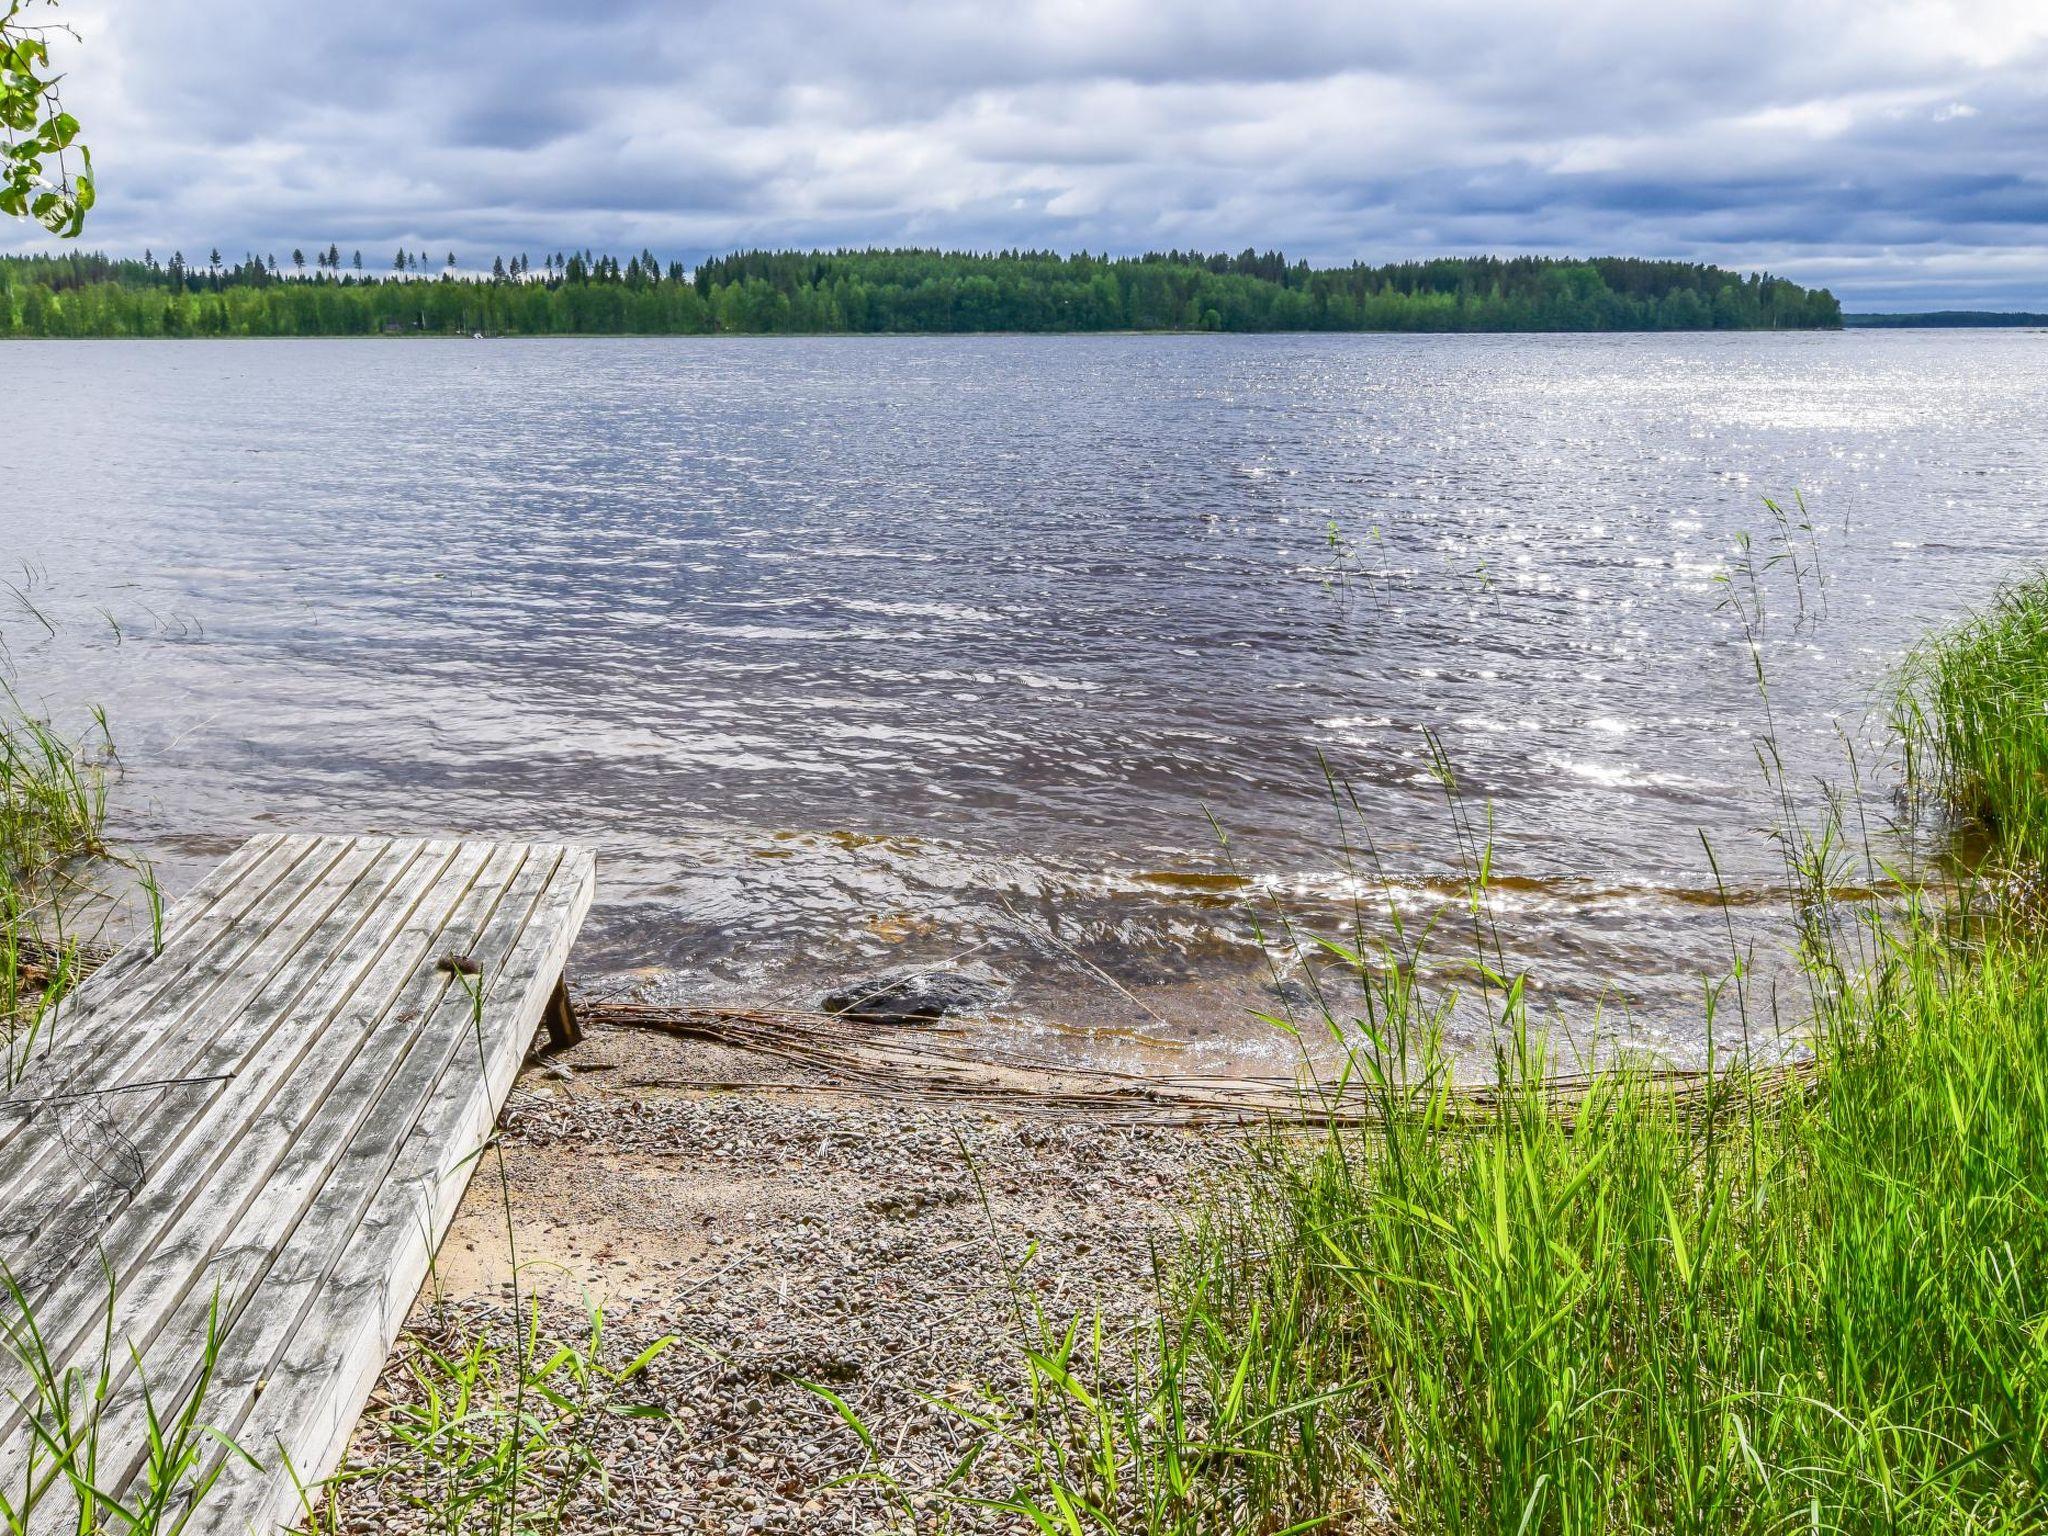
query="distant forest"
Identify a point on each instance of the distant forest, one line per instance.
(1945, 319)
(873, 291)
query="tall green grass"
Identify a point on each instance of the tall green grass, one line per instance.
(1977, 712)
(53, 805)
(59, 1487)
(1775, 1298)
(53, 798)
(1809, 1299)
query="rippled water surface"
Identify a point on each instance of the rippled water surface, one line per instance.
(849, 653)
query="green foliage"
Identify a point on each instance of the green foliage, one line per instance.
(52, 806)
(1947, 319)
(1977, 712)
(53, 798)
(66, 1408)
(891, 292)
(1760, 1310)
(1786, 1301)
(36, 180)
(496, 1437)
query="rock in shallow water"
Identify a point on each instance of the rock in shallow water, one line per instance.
(910, 995)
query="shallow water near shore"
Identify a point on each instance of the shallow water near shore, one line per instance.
(850, 653)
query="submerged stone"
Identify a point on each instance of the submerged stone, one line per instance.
(915, 995)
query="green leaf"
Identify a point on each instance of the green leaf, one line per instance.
(647, 1356)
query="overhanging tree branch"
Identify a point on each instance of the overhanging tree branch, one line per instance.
(36, 178)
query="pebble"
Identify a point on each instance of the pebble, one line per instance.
(860, 1256)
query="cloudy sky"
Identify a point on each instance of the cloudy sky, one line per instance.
(1895, 150)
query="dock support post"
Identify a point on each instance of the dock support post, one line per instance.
(563, 1028)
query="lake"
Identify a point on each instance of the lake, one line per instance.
(853, 652)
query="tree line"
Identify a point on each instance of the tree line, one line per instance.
(878, 291)
(1949, 319)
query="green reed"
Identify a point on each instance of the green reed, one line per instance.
(1816, 1299)
(1770, 1298)
(53, 797)
(1976, 711)
(60, 1484)
(53, 804)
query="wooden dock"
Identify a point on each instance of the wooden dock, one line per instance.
(260, 1131)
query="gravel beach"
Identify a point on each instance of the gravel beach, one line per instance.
(867, 1244)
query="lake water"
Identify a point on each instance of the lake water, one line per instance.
(848, 653)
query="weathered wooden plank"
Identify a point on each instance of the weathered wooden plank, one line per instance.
(296, 954)
(353, 1296)
(301, 1188)
(157, 1247)
(191, 928)
(348, 1187)
(147, 1231)
(112, 1141)
(98, 1041)
(97, 1018)
(73, 1017)
(224, 1248)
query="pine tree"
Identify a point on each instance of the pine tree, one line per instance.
(299, 259)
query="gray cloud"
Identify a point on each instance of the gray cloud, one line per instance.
(1887, 148)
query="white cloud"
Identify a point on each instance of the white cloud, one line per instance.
(1840, 141)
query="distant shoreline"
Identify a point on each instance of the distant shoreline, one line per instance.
(901, 292)
(719, 336)
(1945, 320)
